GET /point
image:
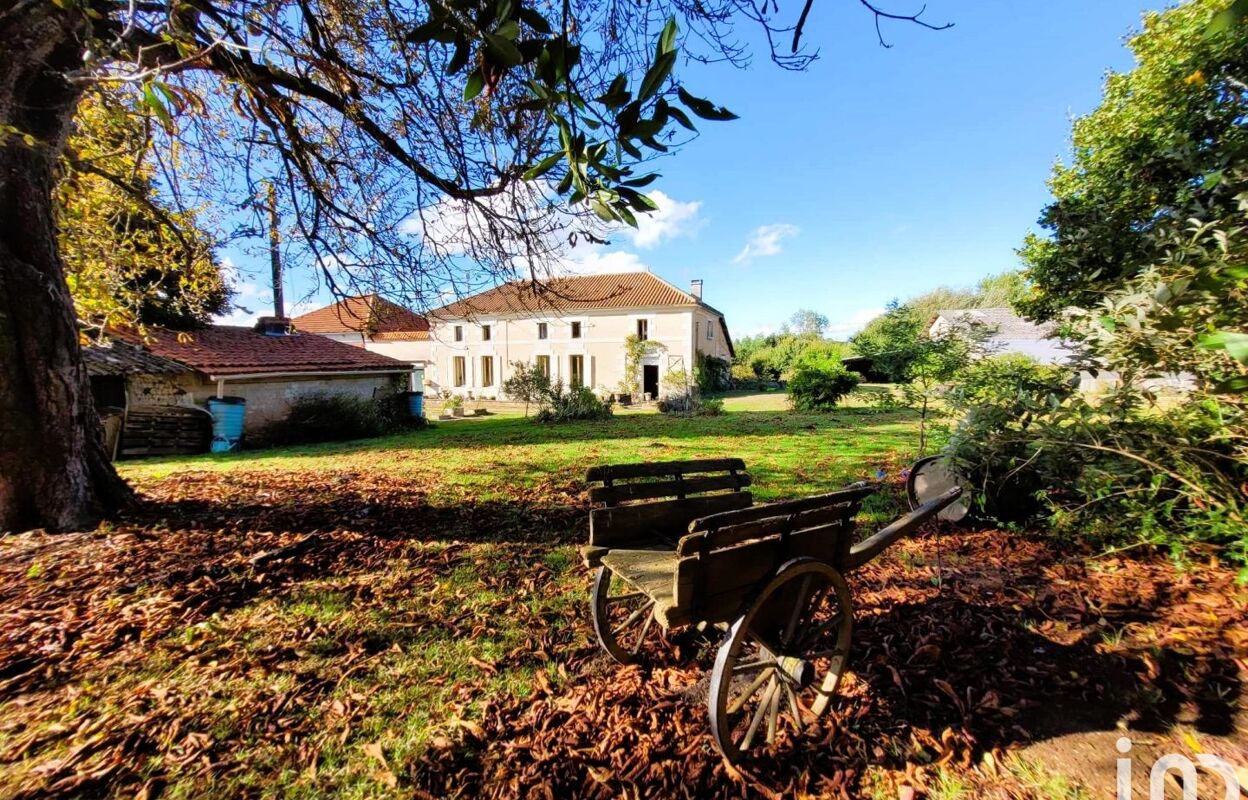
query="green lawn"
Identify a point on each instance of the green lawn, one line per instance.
(789, 454)
(442, 575)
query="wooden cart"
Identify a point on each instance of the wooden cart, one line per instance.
(681, 543)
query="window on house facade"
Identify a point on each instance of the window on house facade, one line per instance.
(543, 363)
(576, 370)
(460, 369)
(643, 329)
(576, 330)
(541, 330)
(459, 333)
(485, 333)
(710, 331)
(487, 370)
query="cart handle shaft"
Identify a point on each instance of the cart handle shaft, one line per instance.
(868, 549)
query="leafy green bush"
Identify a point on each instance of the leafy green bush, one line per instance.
(691, 405)
(571, 404)
(820, 388)
(324, 417)
(711, 373)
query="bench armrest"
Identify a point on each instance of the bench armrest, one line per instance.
(871, 547)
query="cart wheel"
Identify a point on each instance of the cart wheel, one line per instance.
(622, 616)
(781, 661)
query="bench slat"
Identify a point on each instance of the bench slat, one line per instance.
(643, 491)
(745, 565)
(654, 469)
(617, 526)
(857, 491)
(731, 535)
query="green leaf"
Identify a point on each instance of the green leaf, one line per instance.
(503, 51)
(153, 102)
(626, 215)
(644, 180)
(533, 19)
(1236, 385)
(1234, 343)
(667, 39)
(543, 166)
(1224, 20)
(656, 75)
(508, 30)
(463, 48)
(704, 108)
(617, 93)
(474, 85)
(602, 210)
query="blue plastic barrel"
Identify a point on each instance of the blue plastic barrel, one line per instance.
(416, 404)
(227, 422)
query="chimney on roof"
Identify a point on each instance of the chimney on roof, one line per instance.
(274, 326)
(275, 254)
(695, 288)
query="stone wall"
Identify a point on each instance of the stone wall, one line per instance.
(269, 400)
(159, 390)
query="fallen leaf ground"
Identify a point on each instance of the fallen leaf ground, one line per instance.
(407, 617)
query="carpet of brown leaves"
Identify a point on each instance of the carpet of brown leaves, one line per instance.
(966, 644)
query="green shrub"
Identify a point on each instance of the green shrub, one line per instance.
(691, 405)
(1110, 471)
(571, 404)
(711, 374)
(323, 417)
(820, 388)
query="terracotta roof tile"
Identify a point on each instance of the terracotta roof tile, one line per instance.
(116, 357)
(368, 313)
(576, 293)
(230, 350)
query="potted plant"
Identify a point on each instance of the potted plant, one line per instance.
(453, 406)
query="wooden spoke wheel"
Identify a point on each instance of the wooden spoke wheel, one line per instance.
(623, 616)
(782, 660)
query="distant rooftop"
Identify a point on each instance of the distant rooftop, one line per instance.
(1007, 324)
(223, 350)
(370, 314)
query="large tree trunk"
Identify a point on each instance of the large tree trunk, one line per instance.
(54, 471)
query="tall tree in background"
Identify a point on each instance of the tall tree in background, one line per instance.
(128, 259)
(805, 322)
(1158, 146)
(407, 139)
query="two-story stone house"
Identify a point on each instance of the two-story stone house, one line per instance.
(576, 329)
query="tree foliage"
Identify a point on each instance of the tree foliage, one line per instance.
(820, 388)
(887, 339)
(776, 356)
(1132, 467)
(527, 384)
(1159, 145)
(129, 260)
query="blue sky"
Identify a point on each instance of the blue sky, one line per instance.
(877, 173)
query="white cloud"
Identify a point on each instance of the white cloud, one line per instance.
(765, 241)
(597, 261)
(673, 218)
(844, 328)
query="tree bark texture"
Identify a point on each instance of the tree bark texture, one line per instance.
(54, 471)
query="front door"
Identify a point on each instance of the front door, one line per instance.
(650, 379)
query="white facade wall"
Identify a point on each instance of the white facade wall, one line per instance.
(673, 332)
(411, 351)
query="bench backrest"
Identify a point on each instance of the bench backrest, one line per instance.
(658, 500)
(727, 555)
